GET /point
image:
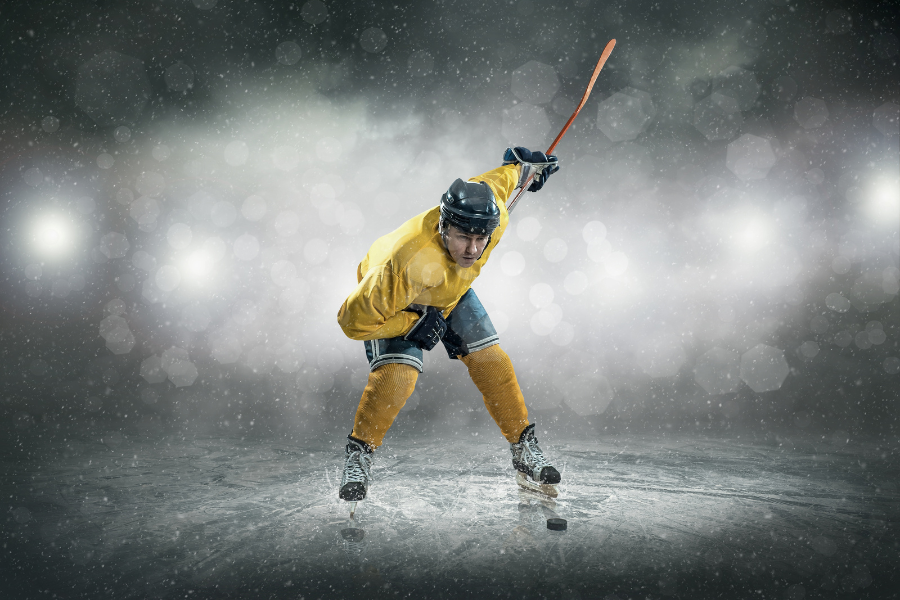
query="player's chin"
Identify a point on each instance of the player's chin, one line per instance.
(466, 262)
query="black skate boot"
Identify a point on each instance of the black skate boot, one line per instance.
(528, 459)
(355, 481)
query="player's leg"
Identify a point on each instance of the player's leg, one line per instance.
(386, 392)
(473, 339)
(492, 373)
(395, 365)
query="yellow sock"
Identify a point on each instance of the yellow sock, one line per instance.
(386, 392)
(493, 374)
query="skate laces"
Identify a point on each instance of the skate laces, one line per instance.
(530, 444)
(356, 467)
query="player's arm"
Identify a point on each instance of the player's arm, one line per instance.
(375, 309)
(502, 181)
(518, 165)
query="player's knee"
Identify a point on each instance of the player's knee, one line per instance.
(492, 356)
(395, 378)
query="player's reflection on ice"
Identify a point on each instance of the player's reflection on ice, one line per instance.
(353, 543)
(528, 537)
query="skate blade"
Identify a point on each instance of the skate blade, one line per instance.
(546, 489)
(352, 509)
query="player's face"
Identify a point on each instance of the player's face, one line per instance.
(465, 248)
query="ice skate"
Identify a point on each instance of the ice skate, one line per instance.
(356, 478)
(535, 473)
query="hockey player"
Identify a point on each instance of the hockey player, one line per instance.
(415, 291)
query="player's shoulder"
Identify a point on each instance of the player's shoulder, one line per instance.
(401, 246)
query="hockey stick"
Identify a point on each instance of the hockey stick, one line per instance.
(587, 92)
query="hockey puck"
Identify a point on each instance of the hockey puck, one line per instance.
(557, 524)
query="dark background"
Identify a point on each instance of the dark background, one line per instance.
(347, 118)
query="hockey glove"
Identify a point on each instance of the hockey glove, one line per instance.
(538, 164)
(428, 330)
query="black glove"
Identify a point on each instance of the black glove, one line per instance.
(428, 330)
(541, 165)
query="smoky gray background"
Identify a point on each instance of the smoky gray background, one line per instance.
(719, 249)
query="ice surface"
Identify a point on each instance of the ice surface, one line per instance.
(663, 515)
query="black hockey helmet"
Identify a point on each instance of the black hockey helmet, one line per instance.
(470, 207)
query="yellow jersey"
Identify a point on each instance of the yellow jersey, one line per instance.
(410, 265)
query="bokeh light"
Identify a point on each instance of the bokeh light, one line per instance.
(52, 235)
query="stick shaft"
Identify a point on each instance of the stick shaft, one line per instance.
(587, 92)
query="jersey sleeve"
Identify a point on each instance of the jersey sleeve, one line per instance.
(374, 310)
(502, 180)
